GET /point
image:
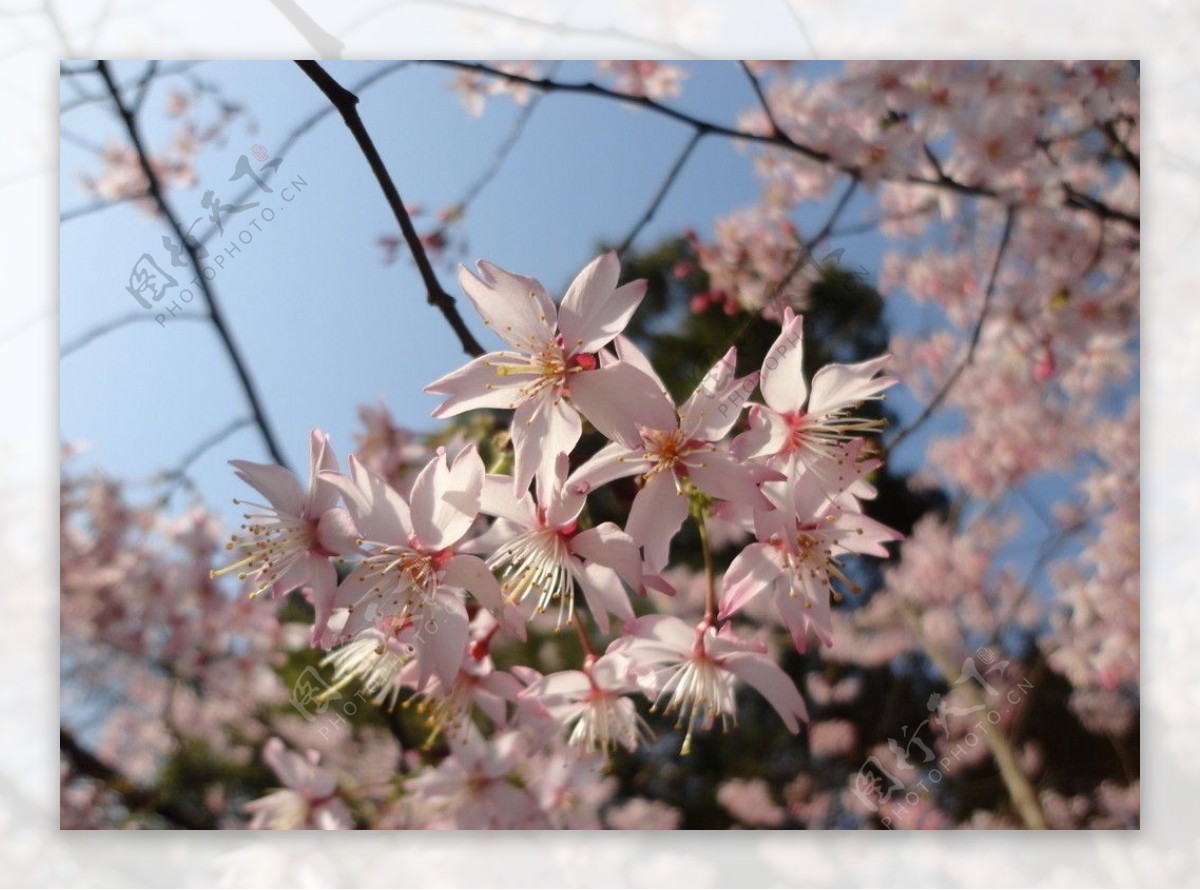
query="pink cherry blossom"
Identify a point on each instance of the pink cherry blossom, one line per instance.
(591, 705)
(412, 573)
(683, 451)
(796, 559)
(310, 799)
(290, 543)
(552, 374)
(542, 554)
(807, 425)
(695, 668)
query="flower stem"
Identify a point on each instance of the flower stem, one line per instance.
(710, 591)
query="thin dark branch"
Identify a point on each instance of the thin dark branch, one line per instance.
(547, 84)
(936, 401)
(502, 153)
(346, 103)
(663, 189)
(116, 324)
(762, 99)
(1072, 198)
(178, 475)
(100, 204)
(1077, 199)
(1120, 147)
(214, 310)
(133, 796)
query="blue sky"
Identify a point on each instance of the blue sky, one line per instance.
(323, 324)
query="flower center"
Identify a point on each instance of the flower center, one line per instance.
(536, 562)
(272, 542)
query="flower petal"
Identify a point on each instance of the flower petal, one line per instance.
(835, 387)
(619, 400)
(717, 402)
(541, 430)
(517, 308)
(497, 498)
(753, 571)
(445, 498)
(377, 509)
(607, 545)
(656, 515)
(772, 684)
(603, 591)
(336, 532)
(613, 461)
(281, 489)
(783, 386)
(594, 309)
(321, 495)
(477, 385)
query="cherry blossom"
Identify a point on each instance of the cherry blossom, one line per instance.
(552, 374)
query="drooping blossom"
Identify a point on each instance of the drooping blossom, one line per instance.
(796, 558)
(541, 553)
(412, 573)
(309, 800)
(684, 450)
(290, 542)
(691, 672)
(480, 784)
(804, 425)
(592, 705)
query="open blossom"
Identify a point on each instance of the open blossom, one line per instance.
(412, 574)
(478, 785)
(543, 553)
(447, 708)
(290, 541)
(807, 425)
(694, 669)
(592, 705)
(310, 799)
(795, 560)
(552, 373)
(677, 451)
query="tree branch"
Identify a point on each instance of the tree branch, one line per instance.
(936, 401)
(132, 795)
(663, 189)
(1020, 790)
(777, 140)
(154, 187)
(346, 103)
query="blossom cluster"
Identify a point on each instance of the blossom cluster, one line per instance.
(442, 571)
